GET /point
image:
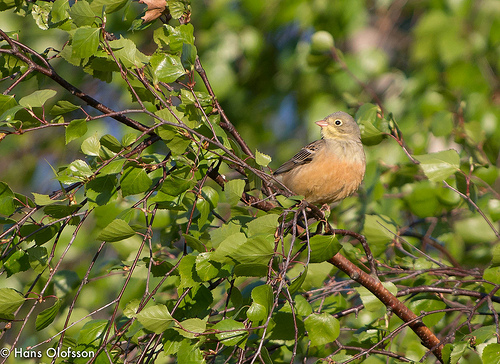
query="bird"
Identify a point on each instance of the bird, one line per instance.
(331, 168)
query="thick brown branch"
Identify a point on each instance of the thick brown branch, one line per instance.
(390, 301)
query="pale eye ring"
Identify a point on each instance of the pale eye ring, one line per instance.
(338, 122)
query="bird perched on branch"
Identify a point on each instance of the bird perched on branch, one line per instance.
(329, 169)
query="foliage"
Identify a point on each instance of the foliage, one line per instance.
(140, 221)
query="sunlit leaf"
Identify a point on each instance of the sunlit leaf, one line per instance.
(262, 159)
(262, 297)
(166, 68)
(323, 247)
(115, 231)
(156, 318)
(231, 332)
(37, 98)
(439, 166)
(86, 41)
(47, 316)
(322, 328)
(10, 301)
(134, 180)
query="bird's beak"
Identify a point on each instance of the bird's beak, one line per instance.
(322, 123)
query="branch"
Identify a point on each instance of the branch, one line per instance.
(48, 71)
(225, 123)
(390, 301)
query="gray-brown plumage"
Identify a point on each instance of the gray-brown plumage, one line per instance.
(329, 169)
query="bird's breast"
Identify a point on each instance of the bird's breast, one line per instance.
(334, 173)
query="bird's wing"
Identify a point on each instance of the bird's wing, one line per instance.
(304, 156)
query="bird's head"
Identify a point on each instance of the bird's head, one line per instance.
(339, 125)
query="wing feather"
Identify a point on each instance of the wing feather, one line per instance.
(304, 156)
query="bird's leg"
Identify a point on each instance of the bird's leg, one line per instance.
(325, 209)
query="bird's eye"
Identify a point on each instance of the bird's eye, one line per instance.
(338, 122)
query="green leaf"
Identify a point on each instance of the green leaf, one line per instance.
(6, 199)
(233, 191)
(38, 258)
(16, 262)
(205, 203)
(91, 146)
(262, 297)
(110, 6)
(63, 107)
(41, 234)
(286, 326)
(191, 327)
(111, 143)
(188, 56)
(82, 14)
(491, 354)
(439, 166)
(101, 190)
(47, 316)
(206, 268)
(9, 115)
(127, 53)
(6, 102)
(322, 328)
(297, 282)
(8, 4)
(134, 180)
(256, 250)
(266, 224)
(128, 139)
(187, 271)
(251, 270)
(194, 243)
(367, 119)
(86, 41)
(60, 211)
(495, 253)
(176, 8)
(156, 318)
(180, 35)
(40, 13)
(80, 168)
(442, 123)
(426, 305)
(323, 247)
(43, 200)
(262, 159)
(484, 334)
(175, 185)
(189, 353)
(166, 68)
(468, 230)
(91, 334)
(228, 247)
(220, 234)
(37, 98)
(176, 142)
(115, 231)
(76, 129)
(10, 301)
(457, 352)
(492, 274)
(60, 11)
(234, 332)
(302, 307)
